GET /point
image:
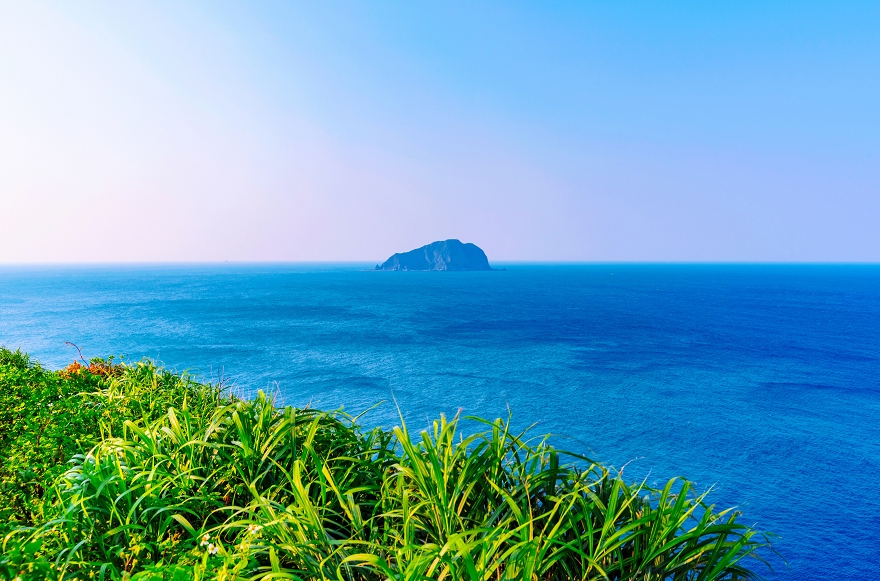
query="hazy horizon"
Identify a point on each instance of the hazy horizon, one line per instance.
(577, 132)
(371, 263)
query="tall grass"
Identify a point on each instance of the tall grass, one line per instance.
(218, 488)
(48, 416)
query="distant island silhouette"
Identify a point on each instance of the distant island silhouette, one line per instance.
(441, 255)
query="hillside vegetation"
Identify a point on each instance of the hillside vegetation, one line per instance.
(128, 471)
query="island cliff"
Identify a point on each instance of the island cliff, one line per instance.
(440, 255)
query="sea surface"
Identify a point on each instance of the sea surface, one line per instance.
(760, 381)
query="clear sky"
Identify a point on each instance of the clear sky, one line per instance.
(655, 131)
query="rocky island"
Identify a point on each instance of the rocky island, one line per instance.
(441, 255)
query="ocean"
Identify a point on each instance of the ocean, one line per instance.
(761, 382)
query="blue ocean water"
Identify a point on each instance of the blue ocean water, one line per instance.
(762, 381)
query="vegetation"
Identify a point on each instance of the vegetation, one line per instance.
(121, 471)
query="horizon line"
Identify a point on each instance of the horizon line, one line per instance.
(503, 262)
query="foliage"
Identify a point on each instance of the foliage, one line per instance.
(46, 417)
(43, 421)
(182, 483)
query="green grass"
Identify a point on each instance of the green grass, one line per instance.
(138, 473)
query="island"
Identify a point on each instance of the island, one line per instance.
(441, 255)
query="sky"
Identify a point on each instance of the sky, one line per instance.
(347, 131)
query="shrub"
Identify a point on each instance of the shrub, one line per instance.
(182, 483)
(46, 417)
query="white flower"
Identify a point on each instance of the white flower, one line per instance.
(253, 529)
(212, 549)
(205, 540)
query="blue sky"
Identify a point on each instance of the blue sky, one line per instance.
(723, 131)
